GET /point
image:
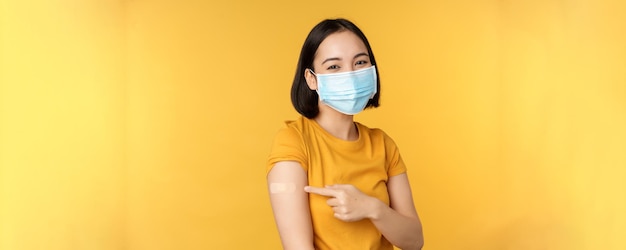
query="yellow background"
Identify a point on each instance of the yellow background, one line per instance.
(146, 124)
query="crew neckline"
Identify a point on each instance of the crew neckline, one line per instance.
(334, 138)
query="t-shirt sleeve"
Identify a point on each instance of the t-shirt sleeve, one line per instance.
(395, 164)
(287, 146)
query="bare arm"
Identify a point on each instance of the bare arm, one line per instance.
(399, 223)
(290, 203)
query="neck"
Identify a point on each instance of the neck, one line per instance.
(337, 124)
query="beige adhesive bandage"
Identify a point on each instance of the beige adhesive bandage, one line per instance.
(282, 188)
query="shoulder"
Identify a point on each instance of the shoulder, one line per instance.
(288, 145)
(294, 131)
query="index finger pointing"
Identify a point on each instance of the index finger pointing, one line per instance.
(320, 191)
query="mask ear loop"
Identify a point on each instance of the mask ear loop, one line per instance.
(317, 89)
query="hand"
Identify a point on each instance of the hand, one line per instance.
(347, 201)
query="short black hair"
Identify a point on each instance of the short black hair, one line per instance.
(304, 99)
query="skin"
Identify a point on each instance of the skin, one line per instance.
(341, 52)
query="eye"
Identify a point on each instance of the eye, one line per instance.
(333, 67)
(361, 62)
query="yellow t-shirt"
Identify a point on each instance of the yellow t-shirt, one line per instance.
(366, 163)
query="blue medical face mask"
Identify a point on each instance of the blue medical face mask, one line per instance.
(347, 92)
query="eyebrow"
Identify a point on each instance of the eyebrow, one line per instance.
(337, 58)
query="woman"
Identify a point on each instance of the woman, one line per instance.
(335, 183)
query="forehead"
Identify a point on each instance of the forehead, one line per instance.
(340, 44)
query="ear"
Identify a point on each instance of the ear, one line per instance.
(311, 80)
